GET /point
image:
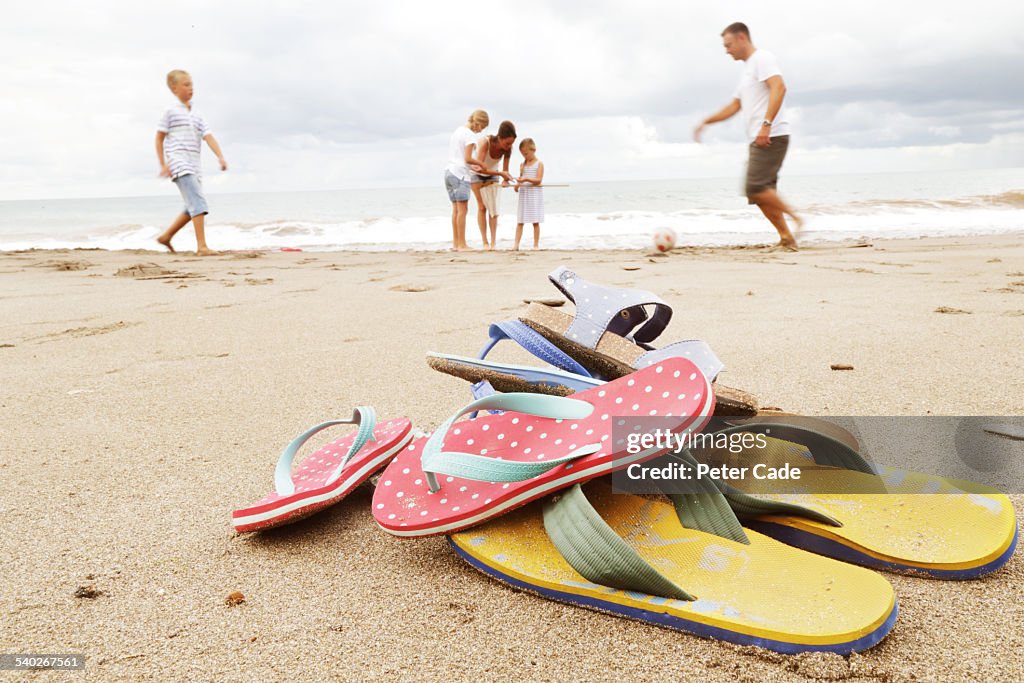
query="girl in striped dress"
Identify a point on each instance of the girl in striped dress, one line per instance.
(531, 195)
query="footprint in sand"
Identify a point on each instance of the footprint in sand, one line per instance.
(55, 264)
(142, 270)
(85, 331)
(410, 288)
(956, 311)
(258, 281)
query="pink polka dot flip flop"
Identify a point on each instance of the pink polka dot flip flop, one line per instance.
(328, 475)
(470, 471)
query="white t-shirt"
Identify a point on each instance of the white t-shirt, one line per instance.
(462, 138)
(752, 92)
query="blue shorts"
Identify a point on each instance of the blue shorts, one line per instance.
(458, 189)
(191, 188)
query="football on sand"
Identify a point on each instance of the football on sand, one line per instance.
(664, 239)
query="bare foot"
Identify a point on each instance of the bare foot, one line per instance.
(207, 252)
(784, 246)
(166, 243)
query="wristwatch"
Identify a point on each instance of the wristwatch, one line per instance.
(766, 122)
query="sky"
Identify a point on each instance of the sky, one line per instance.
(335, 95)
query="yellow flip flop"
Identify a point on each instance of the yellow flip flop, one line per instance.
(886, 518)
(631, 556)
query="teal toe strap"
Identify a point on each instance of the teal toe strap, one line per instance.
(436, 461)
(364, 416)
(599, 554)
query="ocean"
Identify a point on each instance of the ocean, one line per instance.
(593, 215)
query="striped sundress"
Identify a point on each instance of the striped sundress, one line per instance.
(531, 199)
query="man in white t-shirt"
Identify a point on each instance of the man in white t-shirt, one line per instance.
(759, 96)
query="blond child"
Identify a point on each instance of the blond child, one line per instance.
(179, 139)
(460, 171)
(531, 194)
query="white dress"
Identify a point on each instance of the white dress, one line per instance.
(531, 198)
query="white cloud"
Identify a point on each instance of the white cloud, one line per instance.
(324, 95)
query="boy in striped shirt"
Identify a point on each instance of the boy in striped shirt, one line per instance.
(178, 143)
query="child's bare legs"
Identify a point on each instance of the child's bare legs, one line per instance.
(199, 223)
(180, 222)
(481, 212)
(455, 225)
(519, 236)
(459, 210)
(536, 235)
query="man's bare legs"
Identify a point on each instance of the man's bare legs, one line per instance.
(198, 222)
(459, 210)
(776, 210)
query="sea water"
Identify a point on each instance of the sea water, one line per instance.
(593, 215)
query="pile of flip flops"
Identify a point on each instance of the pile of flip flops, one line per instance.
(520, 489)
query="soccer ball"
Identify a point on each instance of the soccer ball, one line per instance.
(664, 239)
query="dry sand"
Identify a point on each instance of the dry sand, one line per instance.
(144, 395)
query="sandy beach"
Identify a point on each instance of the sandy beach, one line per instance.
(145, 395)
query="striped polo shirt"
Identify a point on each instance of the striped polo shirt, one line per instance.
(185, 131)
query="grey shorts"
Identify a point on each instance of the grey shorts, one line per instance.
(458, 189)
(763, 166)
(191, 188)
